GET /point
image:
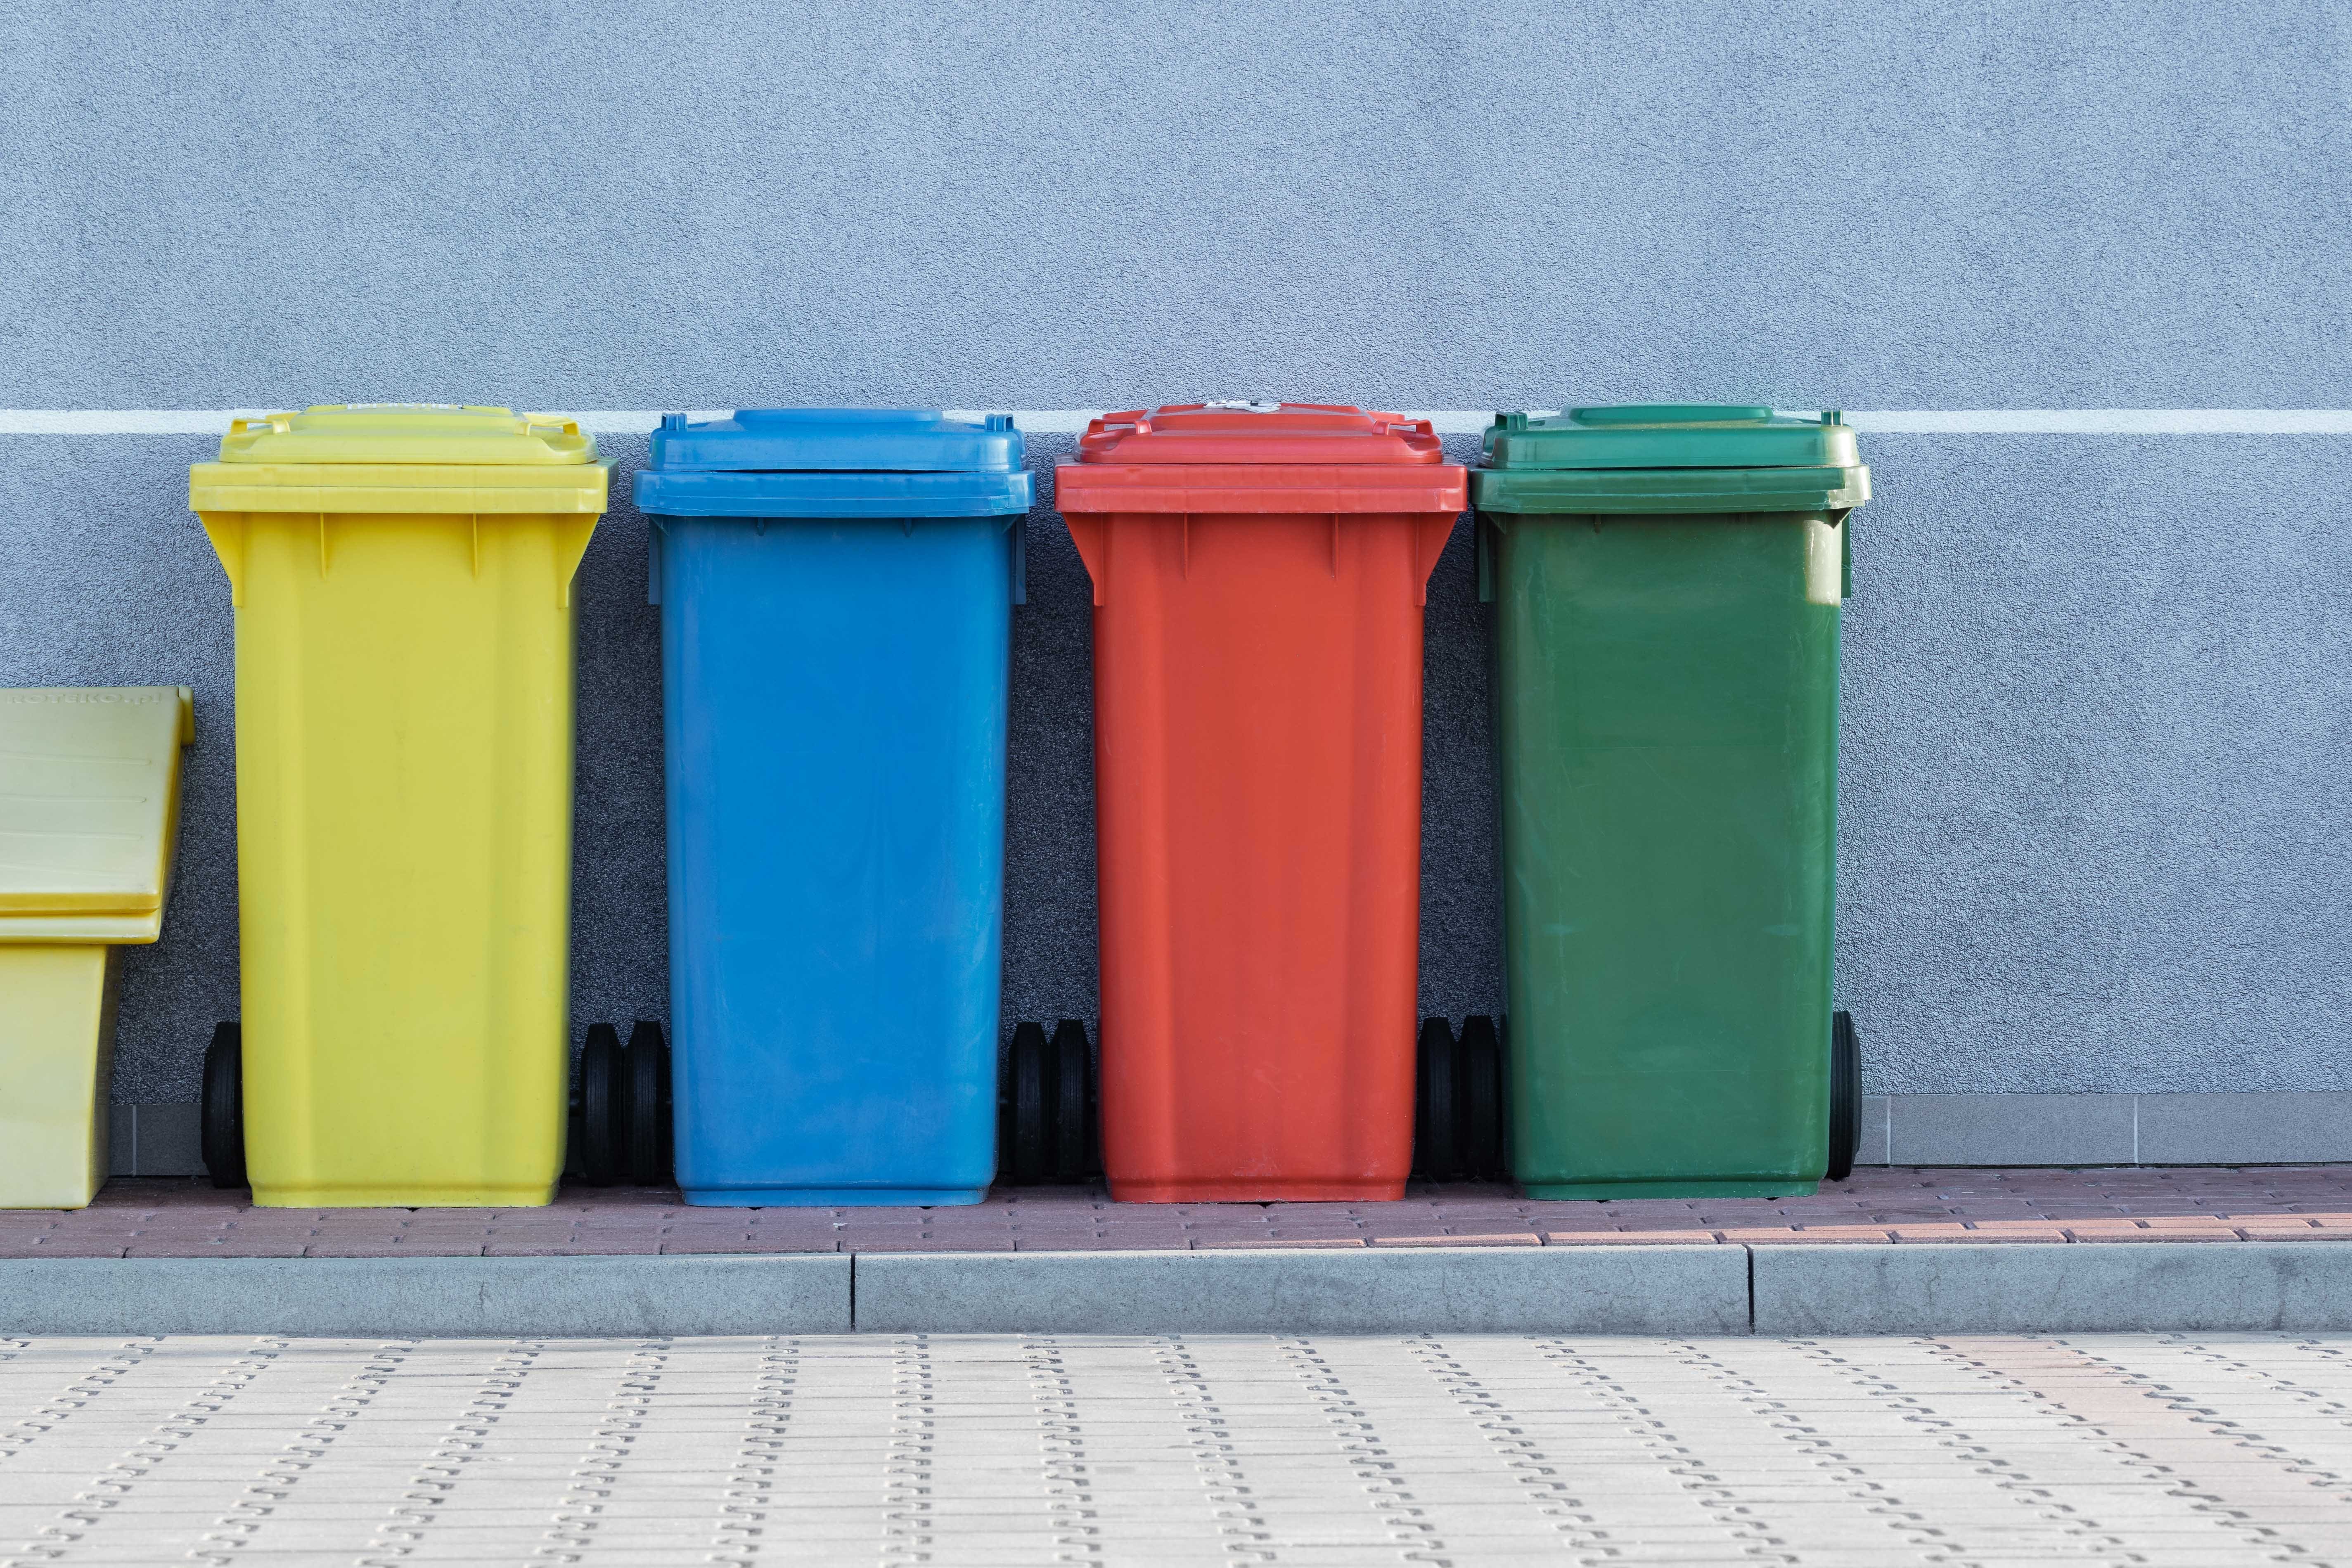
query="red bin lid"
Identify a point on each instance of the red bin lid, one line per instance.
(1323, 433)
(1230, 458)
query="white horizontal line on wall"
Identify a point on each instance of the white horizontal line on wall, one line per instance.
(1449, 421)
(2110, 421)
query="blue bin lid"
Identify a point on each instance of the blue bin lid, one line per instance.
(835, 462)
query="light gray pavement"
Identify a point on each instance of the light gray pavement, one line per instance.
(2201, 1451)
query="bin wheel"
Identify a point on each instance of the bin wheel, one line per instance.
(1479, 1056)
(1074, 1103)
(221, 1129)
(1845, 1097)
(645, 1105)
(600, 1107)
(1024, 1157)
(1434, 1119)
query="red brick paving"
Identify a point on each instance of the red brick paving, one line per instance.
(156, 1218)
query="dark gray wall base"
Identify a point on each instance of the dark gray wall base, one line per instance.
(154, 1141)
(2083, 1287)
(2310, 1127)
(2307, 1127)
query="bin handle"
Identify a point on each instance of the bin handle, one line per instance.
(534, 422)
(1432, 531)
(279, 424)
(1841, 521)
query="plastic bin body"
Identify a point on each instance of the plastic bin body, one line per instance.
(401, 579)
(90, 806)
(1667, 723)
(1259, 577)
(834, 690)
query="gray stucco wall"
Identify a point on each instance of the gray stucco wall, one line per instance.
(1438, 204)
(2097, 728)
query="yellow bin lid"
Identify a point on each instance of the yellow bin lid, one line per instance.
(403, 457)
(89, 797)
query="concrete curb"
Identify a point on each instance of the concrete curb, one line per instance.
(2081, 1288)
(2012, 1287)
(1549, 1290)
(435, 1297)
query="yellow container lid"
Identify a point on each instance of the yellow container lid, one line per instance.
(89, 786)
(403, 457)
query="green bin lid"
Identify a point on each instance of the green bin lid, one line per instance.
(1669, 458)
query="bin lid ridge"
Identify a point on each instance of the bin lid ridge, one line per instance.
(1238, 432)
(856, 440)
(835, 463)
(409, 433)
(1669, 435)
(1670, 457)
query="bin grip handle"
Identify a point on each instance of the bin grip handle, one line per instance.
(1431, 532)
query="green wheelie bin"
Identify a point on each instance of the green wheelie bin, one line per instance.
(1668, 581)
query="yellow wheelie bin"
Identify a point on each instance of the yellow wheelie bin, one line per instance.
(402, 577)
(89, 804)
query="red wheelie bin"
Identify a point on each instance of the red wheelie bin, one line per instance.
(1259, 572)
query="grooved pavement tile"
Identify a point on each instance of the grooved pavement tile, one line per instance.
(2214, 1450)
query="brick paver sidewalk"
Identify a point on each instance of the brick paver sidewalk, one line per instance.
(183, 1218)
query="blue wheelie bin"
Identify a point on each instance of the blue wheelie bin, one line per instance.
(835, 589)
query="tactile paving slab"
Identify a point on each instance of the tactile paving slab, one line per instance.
(2203, 1451)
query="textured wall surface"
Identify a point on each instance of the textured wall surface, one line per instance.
(2096, 811)
(2097, 733)
(1437, 204)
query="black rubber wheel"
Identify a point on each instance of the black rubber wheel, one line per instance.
(1025, 1158)
(1435, 1122)
(1845, 1097)
(1479, 1058)
(221, 1127)
(645, 1105)
(1074, 1103)
(600, 1153)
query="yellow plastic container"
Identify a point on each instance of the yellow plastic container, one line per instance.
(89, 804)
(402, 584)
